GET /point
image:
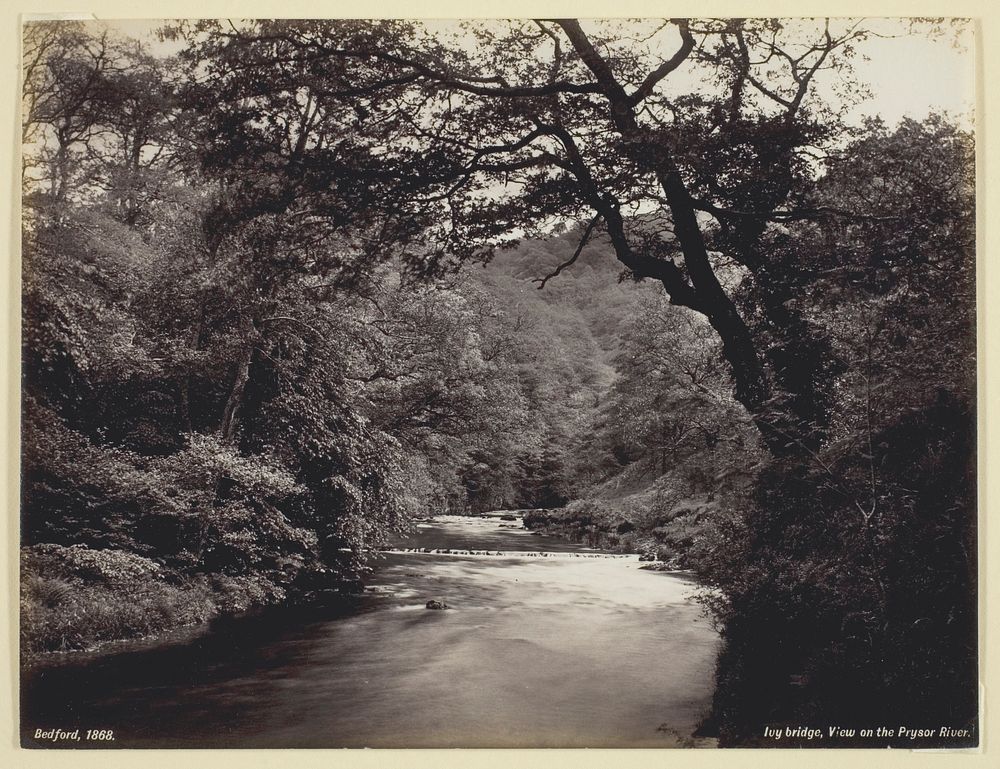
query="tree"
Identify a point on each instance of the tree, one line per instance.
(586, 133)
(152, 343)
(860, 563)
(63, 75)
(672, 404)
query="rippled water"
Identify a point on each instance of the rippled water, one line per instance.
(546, 645)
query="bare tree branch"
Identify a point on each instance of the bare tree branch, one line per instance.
(576, 254)
(654, 77)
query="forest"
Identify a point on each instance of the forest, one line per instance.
(288, 286)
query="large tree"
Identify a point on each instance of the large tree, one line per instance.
(685, 161)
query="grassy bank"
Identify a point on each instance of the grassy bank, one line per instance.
(77, 598)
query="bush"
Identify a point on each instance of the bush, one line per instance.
(76, 598)
(236, 594)
(831, 619)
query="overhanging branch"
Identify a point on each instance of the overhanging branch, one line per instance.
(654, 77)
(576, 254)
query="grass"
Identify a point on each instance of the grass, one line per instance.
(57, 615)
(77, 598)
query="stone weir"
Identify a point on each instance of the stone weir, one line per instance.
(507, 553)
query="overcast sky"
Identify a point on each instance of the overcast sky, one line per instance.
(912, 75)
(909, 74)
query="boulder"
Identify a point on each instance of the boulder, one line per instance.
(434, 604)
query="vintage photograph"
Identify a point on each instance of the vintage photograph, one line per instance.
(526, 383)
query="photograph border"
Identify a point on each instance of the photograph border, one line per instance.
(988, 149)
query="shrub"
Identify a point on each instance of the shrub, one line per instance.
(76, 598)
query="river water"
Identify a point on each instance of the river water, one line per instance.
(545, 644)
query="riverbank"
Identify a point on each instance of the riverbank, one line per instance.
(78, 599)
(548, 644)
(666, 541)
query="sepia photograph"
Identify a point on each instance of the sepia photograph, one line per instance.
(499, 383)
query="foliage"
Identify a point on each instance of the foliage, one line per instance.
(861, 562)
(76, 597)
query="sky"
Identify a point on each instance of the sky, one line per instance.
(909, 73)
(913, 75)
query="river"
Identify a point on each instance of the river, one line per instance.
(546, 644)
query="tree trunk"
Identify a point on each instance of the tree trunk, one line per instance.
(803, 364)
(704, 293)
(230, 415)
(230, 421)
(185, 386)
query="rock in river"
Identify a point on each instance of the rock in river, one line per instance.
(433, 604)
